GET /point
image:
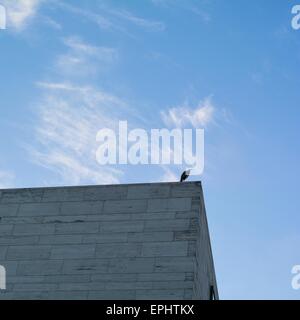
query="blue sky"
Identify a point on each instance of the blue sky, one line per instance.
(69, 69)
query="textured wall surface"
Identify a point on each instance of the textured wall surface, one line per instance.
(145, 241)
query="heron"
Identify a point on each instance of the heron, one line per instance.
(185, 175)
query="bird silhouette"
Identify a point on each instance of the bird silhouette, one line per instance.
(185, 175)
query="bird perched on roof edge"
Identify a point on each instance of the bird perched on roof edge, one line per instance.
(185, 175)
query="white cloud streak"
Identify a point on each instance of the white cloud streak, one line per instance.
(114, 19)
(68, 117)
(68, 120)
(84, 59)
(198, 9)
(100, 20)
(20, 12)
(79, 46)
(149, 25)
(179, 117)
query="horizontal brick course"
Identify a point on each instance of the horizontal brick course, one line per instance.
(148, 191)
(86, 266)
(18, 240)
(21, 195)
(165, 249)
(39, 209)
(76, 228)
(28, 252)
(82, 208)
(173, 204)
(118, 250)
(32, 229)
(150, 236)
(122, 226)
(124, 206)
(73, 251)
(8, 210)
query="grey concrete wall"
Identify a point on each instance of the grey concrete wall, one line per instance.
(146, 241)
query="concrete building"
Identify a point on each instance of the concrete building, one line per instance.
(141, 241)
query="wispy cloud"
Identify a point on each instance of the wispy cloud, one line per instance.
(68, 117)
(7, 179)
(114, 19)
(149, 25)
(99, 19)
(51, 22)
(68, 120)
(20, 12)
(200, 116)
(79, 46)
(199, 9)
(84, 59)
